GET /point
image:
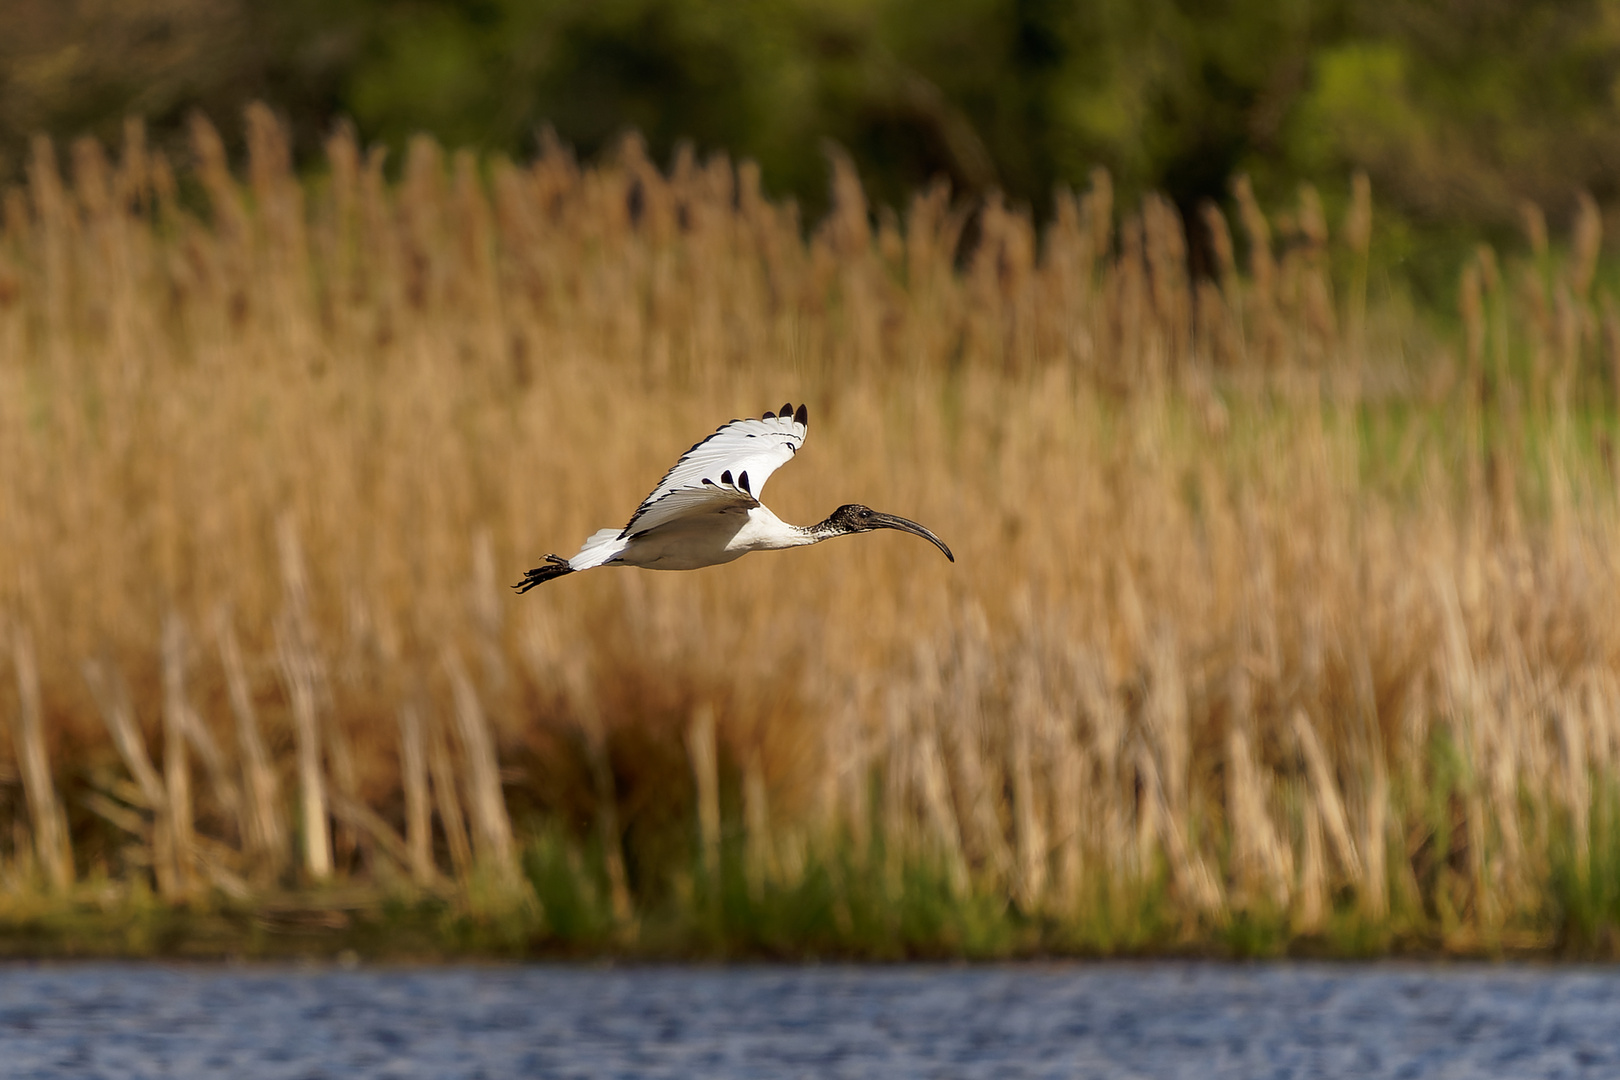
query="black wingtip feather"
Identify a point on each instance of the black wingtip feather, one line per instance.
(768, 416)
(802, 416)
(787, 410)
(725, 477)
(742, 482)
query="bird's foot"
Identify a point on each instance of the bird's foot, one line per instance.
(555, 566)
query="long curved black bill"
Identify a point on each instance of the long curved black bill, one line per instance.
(891, 521)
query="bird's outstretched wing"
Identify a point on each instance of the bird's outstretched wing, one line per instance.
(728, 469)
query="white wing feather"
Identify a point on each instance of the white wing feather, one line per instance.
(698, 484)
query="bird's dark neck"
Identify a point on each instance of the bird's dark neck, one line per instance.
(825, 529)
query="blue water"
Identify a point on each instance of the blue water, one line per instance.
(1113, 1020)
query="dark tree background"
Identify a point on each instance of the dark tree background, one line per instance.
(1458, 109)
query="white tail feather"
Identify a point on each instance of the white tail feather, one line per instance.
(601, 546)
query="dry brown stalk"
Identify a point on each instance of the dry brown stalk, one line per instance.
(850, 765)
(176, 763)
(263, 832)
(701, 752)
(199, 738)
(340, 767)
(1586, 243)
(1158, 831)
(1221, 249)
(488, 611)
(1375, 833)
(492, 831)
(52, 844)
(1262, 863)
(216, 862)
(298, 676)
(1574, 788)
(894, 803)
(120, 816)
(759, 860)
(414, 780)
(446, 799)
(1262, 269)
(988, 846)
(587, 718)
(1325, 796)
(368, 821)
(112, 696)
(941, 814)
(1029, 829)
(1311, 910)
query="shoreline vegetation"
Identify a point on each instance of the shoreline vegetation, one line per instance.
(1283, 622)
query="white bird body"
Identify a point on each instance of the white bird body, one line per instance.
(706, 510)
(691, 543)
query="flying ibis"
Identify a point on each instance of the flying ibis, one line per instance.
(706, 510)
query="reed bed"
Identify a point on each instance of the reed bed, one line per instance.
(1279, 613)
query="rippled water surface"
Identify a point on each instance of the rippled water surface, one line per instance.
(1137, 1020)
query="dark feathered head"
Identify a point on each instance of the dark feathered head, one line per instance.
(855, 518)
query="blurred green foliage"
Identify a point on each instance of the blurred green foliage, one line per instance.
(1457, 109)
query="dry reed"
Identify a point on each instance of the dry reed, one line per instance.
(1256, 590)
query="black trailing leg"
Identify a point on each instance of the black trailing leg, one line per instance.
(554, 566)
